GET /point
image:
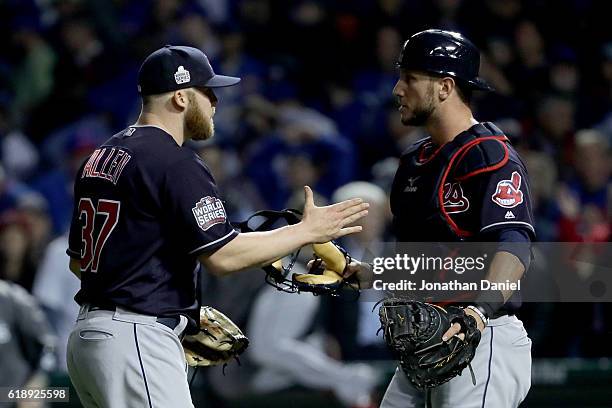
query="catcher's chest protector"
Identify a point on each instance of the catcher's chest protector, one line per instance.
(429, 196)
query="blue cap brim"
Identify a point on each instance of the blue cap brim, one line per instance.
(219, 81)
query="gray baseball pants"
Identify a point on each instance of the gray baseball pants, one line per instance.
(502, 366)
(120, 359)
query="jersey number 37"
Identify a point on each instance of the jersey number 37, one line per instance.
(94, 235)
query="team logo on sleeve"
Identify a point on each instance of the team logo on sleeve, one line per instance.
(208, 212)
(508, 193)
(454, 199)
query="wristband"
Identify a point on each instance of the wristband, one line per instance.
(480, 313)
(491, 301)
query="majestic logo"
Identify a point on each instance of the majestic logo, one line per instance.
(509, 215)
(129, 132)
(208, 212)
(411, 188)
(181, 75)
(454, 200)
(508, 193)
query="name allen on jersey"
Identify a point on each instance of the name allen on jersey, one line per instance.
(110, 168)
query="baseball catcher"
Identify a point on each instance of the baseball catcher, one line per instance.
(413, 331)
(218, 341)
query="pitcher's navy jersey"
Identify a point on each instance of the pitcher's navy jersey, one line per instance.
(145, 208)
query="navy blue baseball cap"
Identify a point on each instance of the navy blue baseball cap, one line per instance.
(178, 67)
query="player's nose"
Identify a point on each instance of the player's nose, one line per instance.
(398, 89)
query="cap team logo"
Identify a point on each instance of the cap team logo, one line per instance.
(182, 76)
(454, 199)
(508, 193)
(208, 212)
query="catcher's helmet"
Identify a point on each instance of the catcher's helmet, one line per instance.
(446, 53)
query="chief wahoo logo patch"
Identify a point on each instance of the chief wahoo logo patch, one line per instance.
(508, 193)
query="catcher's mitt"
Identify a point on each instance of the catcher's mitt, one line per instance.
(413, 330)
(218, 341)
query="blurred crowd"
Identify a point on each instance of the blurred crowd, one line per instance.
(314, 108)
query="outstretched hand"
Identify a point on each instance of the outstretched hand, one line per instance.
(323, 224)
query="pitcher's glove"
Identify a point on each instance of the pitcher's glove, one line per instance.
(218, 341)
(413, 331)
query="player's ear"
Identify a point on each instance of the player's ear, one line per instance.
(446, 88)
(180, 99)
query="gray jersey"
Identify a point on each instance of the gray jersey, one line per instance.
(24, 335)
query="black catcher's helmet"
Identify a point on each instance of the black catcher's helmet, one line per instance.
(445, 53)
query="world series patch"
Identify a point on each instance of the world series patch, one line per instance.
(508, 193)
(181, 75)
(209, 211)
